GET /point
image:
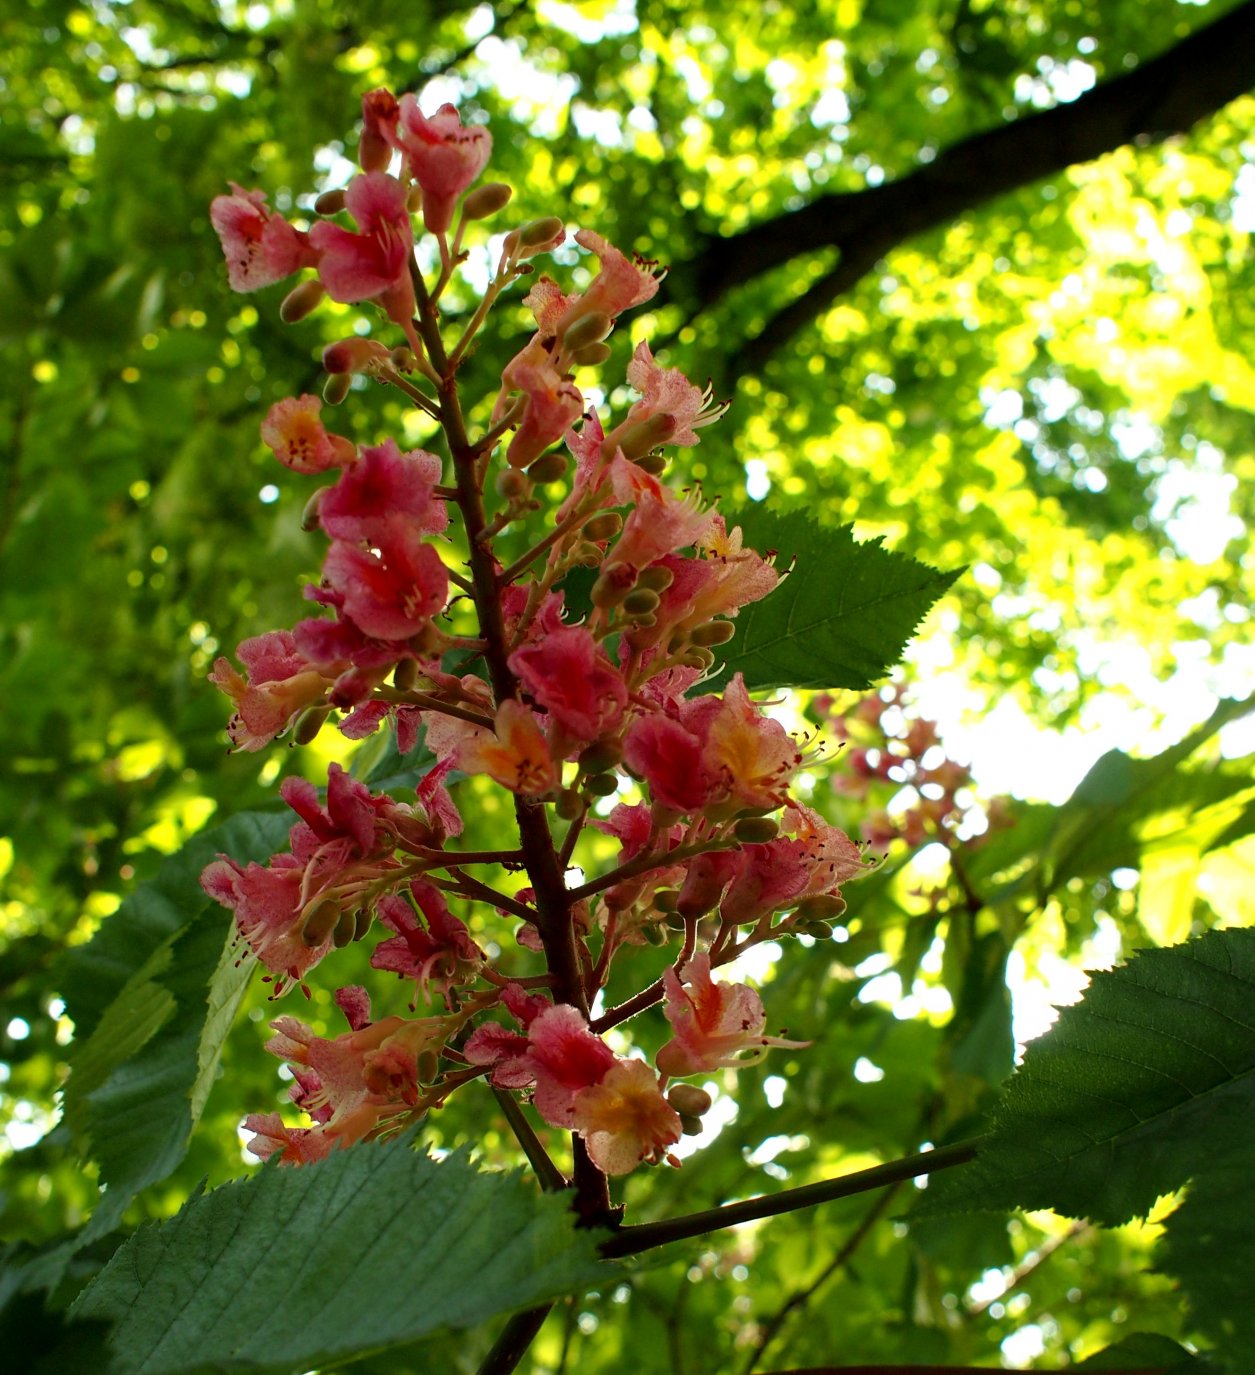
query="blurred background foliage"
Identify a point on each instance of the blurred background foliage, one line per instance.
(1053, 387)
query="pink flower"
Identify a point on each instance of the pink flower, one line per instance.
(280, 683)
(665, 392)
(292, 428)
(379, 130)
(269, 904)
(516, 755)
(355, 1085)
(716, 1026)
(669, 758)
(440, 956)
(754, 755)
(577, 685)
(390, 592)
(624, 1118)
(622, 283)
(383, 492)
(373, 264)
(260, 246)
(442, 155)
(660, 523)
(552, 403)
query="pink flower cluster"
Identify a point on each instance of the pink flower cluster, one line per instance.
(559, 697)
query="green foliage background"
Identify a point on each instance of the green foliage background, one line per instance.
(144, 530)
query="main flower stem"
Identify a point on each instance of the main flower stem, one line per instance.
(552, 899)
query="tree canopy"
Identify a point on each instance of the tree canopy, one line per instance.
(976, 279)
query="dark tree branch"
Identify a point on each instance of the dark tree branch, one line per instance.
(1164, 96)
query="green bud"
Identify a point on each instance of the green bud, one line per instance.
(405, 675)
(821, 907)
(298, 303)
(689, 1100)
(755, 830)
(665, 900)
(330, 202)
(319, 923)
(486, 200)
(675, 921)
(654, 463)
(586, 554)
(336, 387)
(601, 784)
(346, 930)
(591, 355)
(657, 579)
(640, 602)
(361, 922)
(712, 633)
(690, 1126)
(699, 658)
(512, 485)
(539, 232)
(309, 516)
(403, 359)
(641, 437)
(548, 468)
(604, 526)
(598, 757)
(821, 930)
(569, 804)
(309, 723)
(656, 934)
(591, 329)
(612, 586)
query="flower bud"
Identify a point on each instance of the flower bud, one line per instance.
(656, 578)
(309, 723)
(538, 233)
(604, 526)
(755, 830)
(698, 658)
(403, 359)
(821, 907)
(689, 1100)
(547, 468)
(653, 463)
(614, 583)
(428, 1066)
(298, 303)
(690, 1126)
(309, 516)
(601, 784)
(361, 922)
(352, 355)
(712, 633)
(337, 387)
(640, 602)
(405, 675)
(320, 921)
(591, 355)
(586, 554)
(569, 804)
(486, 200)
(512, 485)
(665, 900)
(655, 934)
(600, 756)
(639, 438)
(590, 329)
(346, 930)
(330, 202)
(821, 930)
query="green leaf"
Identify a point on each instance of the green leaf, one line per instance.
(139, 1082)
(96, 973)
(1149, 1351)
(1139, 1088)
(294, 1268)
(843, 615)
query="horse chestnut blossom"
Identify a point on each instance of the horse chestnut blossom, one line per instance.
(537, 603)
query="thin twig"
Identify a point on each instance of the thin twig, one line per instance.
(631, 1241)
